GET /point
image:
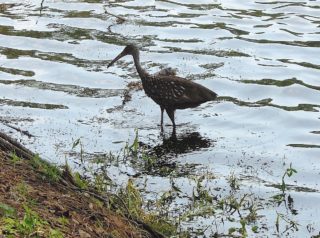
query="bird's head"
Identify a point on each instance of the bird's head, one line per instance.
(128, 50)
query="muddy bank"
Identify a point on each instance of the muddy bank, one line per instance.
(37, 201)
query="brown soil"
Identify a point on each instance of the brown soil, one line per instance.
(55, 202)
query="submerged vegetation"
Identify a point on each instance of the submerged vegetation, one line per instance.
(172, 212)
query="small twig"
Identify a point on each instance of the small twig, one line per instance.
(9, 145)
(18, 129)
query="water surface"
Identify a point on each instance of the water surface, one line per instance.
(261, 57)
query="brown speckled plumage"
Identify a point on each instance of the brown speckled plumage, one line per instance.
(167, 90)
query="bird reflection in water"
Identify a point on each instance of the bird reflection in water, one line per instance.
(166, 151)
(181, 144)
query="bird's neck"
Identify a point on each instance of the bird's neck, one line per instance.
(142, 73)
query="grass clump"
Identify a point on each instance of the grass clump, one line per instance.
(14, 158)
(6, 210)
(79, 181)
(30, 225)
(133, 201)
(51, 172)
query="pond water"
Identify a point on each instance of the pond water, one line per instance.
(260, 57)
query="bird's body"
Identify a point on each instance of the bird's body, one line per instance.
(170, 92)
(175, 92)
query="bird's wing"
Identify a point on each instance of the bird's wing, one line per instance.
(176, 92)
(171, 88)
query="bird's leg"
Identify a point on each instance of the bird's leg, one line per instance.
(173, 137)
(170, 113)
(161, 124)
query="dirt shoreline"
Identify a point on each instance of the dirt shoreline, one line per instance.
(33, 206)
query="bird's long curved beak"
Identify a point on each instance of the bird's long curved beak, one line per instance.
(116, 59)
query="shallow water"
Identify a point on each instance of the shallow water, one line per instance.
(261, 57)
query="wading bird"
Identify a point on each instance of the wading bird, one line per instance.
(167, 90)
